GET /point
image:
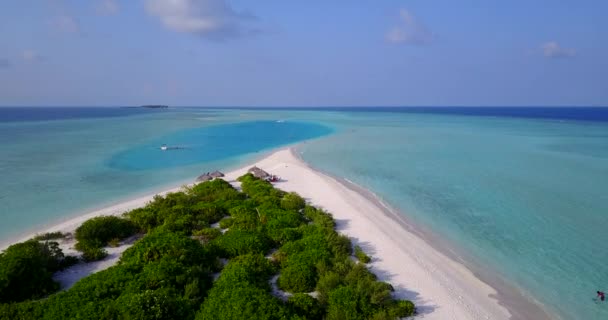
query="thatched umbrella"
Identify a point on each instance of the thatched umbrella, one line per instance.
(258, 173)
(253, 169)
(204, 177)
(216, 174)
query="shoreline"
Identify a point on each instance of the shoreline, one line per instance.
(80, 215)
(437, 281)
(507, 295)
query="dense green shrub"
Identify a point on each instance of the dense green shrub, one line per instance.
(90, 254)
(226, 223)
(298, 277)
(173, 209)
(167, 273)
(194, 209)
(401, 309)
(319, 217)
(310, 249)
(280, 225)
(305, 306)
(371, 297)
(361, 255)
(238, 242)
(259, 189)
(207, 234)
(278, 219)
(339, 245)
(327, 282)
(182, 222)
(170, 284)
(160, 244)
(209, 213)
(283, 235)
(244, 218)
(215, 190)
(366, 299)
(292, 201)
(97, 232)
(379, 293)
(171, 200)
(358, 273)
(252, 269)
(153, 304)
(343, 304)
(243, 292)
(144, 218)
(229, 204)
(22, 311)
(301, 257)
(49, 236)
(343, 266)
(242, 302)
(26, 270)
(193, 279)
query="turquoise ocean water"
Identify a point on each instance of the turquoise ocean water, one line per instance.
(59, 167)
(524, 196)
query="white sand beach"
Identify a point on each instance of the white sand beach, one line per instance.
(440, 287)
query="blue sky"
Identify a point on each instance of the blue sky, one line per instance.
(309, 53)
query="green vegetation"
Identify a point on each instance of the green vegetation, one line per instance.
(361, 255)
(243, 292)
(168, 273)
(90, 254)
(98, 232)
(26, 270)
(305, 306)
(49, 236)
(292, 201)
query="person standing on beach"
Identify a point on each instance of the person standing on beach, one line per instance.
(601, 295)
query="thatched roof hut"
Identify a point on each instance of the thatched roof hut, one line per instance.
(204, 177)
(216, 174)
(258, 173)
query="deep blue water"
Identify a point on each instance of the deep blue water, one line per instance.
(599, 114)
(19, 114)
(556, 113)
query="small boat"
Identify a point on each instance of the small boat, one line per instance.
(164, 147)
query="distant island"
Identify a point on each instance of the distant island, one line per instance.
(155, 106)
(148, 106)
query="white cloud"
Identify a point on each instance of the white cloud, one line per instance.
(65, 23)
(553, 49)
(30, 56)
(213, 19)
(409, 31)
(107, 7)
